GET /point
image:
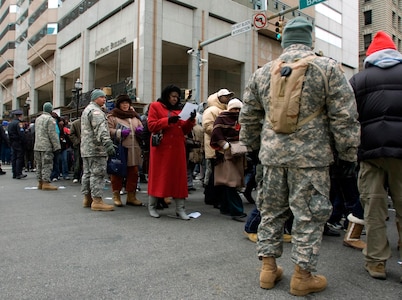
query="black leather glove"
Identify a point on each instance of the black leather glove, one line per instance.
(173, 119)
(193, 114)
(347, 168)
(110, 149)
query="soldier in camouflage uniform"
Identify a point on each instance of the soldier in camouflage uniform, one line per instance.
(95, 147)
(296, 165)
(46, 142)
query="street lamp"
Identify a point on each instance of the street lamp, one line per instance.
(27, 106)
(78, 88)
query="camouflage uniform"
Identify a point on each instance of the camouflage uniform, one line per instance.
(46, 142)
(296, 165)
(94, 137)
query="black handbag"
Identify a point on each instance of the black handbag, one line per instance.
(117, 164)
(156, 139)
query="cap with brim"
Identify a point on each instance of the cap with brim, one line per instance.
(224, 92)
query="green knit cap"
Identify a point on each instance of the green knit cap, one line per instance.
(47, 107)
(96, 94)
(297, 31)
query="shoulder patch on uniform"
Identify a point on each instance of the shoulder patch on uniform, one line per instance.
(96, 112)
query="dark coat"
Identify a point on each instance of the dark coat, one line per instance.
(379, 102)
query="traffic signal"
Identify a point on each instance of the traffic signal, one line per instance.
(279, 27)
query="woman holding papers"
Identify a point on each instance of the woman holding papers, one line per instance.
(167, 175)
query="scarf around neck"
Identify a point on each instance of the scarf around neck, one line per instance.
(121, 114)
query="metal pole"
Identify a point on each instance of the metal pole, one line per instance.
(78, 102)
(198, 78)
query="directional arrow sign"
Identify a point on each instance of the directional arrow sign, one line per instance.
(307, 3)
(242, 27)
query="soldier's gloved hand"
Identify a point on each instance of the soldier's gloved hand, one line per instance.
(173, 119)
(125, 132)
(111, 149)
(193, 115)
(347, 168)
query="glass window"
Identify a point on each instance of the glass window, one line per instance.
(52, 28)
(367, 17)
(328, 37)
(14, 8)
(367, 40)
(329, 12)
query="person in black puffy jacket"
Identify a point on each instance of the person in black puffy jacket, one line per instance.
(378, 91)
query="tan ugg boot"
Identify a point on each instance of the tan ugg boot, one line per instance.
(87, 200)
(132, 199)
(270, 273)
(116, 199)
(47, 186)
(99, 205)
(40, 183)
(352, 235)
(168, 200)
(304, 283)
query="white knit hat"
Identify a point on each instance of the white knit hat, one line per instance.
(235, 103)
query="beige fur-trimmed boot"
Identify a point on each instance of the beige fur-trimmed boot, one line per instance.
(132, 199)
(270, 273)
(352, 235)
(40, 183)
(116, 199)
(304, 283)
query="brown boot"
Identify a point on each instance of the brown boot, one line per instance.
(116, 199)
(303, 282)
(168, 200)
(40, 183)
(352, 236)
(270, 273)
(99, 205)
(47, 186)
(87, 200)
(132, 200)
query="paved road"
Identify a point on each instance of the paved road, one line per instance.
(52, 248)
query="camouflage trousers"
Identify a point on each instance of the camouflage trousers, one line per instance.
(93, 177)
(305, 193)
(44, 165)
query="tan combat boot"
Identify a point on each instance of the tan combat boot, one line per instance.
(270, 273)
(87, 200)
(303, 282)
(40, 183)
(47, 186)
(116, 199)
(132, 199)
(99, 205)
(352, 235)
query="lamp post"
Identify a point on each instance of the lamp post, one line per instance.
(27, 106)
(78, 88)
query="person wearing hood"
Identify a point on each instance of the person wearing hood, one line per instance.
(216, 103)
(167, 161)
(378, 91)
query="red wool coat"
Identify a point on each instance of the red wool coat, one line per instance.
(167, 175)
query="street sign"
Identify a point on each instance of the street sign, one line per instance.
(259, 21)
(242, 27)
(307, 3)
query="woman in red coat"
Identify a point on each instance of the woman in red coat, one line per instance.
(167, 176)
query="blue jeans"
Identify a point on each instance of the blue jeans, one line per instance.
(64, 163)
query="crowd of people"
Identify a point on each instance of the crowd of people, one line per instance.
(329, 164)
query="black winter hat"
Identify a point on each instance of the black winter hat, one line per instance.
(122, 98)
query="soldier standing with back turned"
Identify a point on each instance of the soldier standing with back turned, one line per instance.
(296, 164)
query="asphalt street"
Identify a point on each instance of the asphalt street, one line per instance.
(53, 248)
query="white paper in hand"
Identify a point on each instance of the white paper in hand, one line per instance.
(187, 110)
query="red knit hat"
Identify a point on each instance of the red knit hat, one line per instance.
(381, 41)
